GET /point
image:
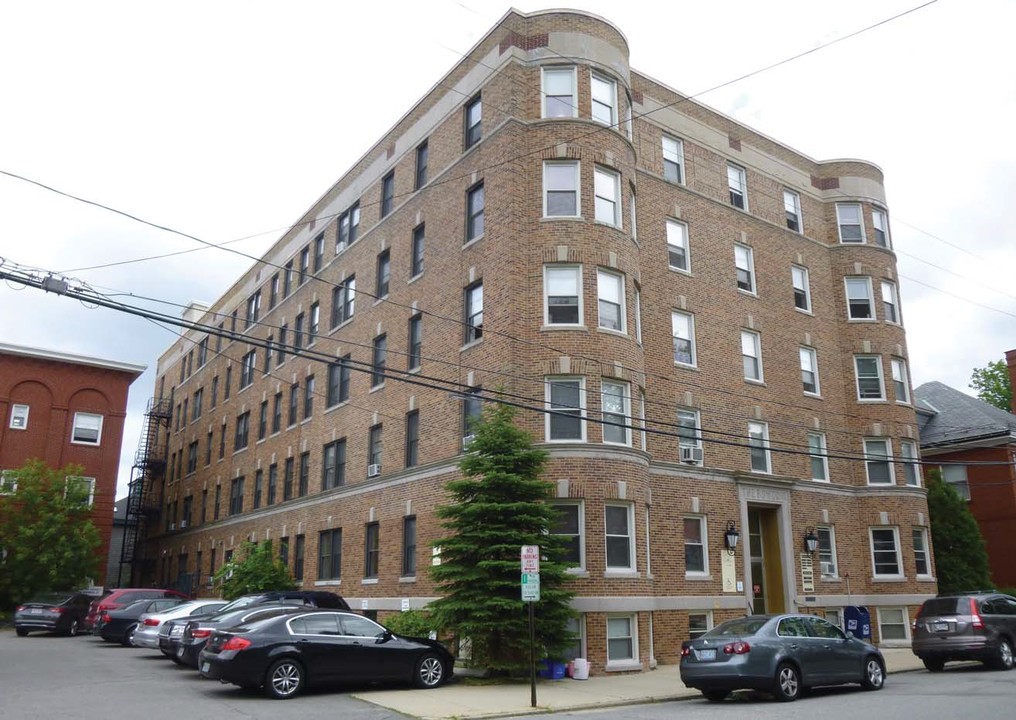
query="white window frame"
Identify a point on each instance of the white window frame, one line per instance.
(792, 206)
(737, 183)
(881, 379)
(840, 217)
(548, 385)
(831, 533)
(869, 296)
(891, 303)
(708, 615)
(755, 340)
(558, 71)
(922, 533)
(629, 509)
(901, 379)
(19, 416)
(610, 85)
(677, 242)
(800, 281)
(744, 260)
(704, 536)
(574, 165)
(91, 487)
(675, 156)
(84, 416)
(809, 356)
(899, 558)
(638, 315)
(871, 456)
(609, 280)
(8, 482)
(634, 221)
(625, 407)
(904, 623)
(548, 270)
(642, 417)
(880, 221)
(911, 471)
(685, 442)
(632, 637)
(690, 326)
(601, 178)
(817, 450)
(759, 430)
(581, 506)
(949, 474)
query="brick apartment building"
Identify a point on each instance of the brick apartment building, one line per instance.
(713, 317)
(63, 408)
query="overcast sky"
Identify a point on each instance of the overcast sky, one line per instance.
(228, 119)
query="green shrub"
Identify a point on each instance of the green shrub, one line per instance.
(411, 623)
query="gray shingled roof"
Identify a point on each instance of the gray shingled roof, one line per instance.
(946, 415)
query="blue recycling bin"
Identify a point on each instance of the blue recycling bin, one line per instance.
(857, 620)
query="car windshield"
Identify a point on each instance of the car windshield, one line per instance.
(945, 606)
(741, 626)
(241, 602)
(136, 605)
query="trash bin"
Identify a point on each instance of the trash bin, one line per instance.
(580, 669)
(550, 670)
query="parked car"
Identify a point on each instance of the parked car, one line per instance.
(285, 654)
(62, 612)
(149, 624)
(193, 635)
(122, 597)
(119, 625)
(313, 598)
(966, 626)
(778, 654)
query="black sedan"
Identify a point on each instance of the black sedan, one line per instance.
(119, 625)
(186, 639)
(285, 654)
(778, 654)
(62, 612)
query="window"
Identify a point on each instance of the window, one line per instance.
(371, 550)
(607, 191)
(860, 303)
(308, 397)
(695, 546)
(878, 462)
(744, 263)
(304, 480)
(374, 446)
(421, 165)
(738, 186)
(242, 430)
(379, 361)
(287, 280)
(880, 221)
(215, 391)
(827, 553)
(890, 304)
(956, 476)
(222, 442)
(610, 296)
(80, 490)
(412, 438)
(604, 98)
(893, 624)
(258, 487)
(673, 159)
(792, 208)
(333, 465)
(474, 312)
(287, 482)
(277, 413)
(384, 269)
(819, 457)
(559, 92)
(619, 521)
(247, 369)
(689, 432)
(268, 356)
(921, 562)
(638, 315)
(901, 384)
(228, 383)
(8, 483)
(273, 292)
(758, 443)
(615, 411)
(344, 301)
(298, 554)
(348, 228)
(236, 496)
(294, 403)
(313, 323)
(472, 411)
(281, 355)
(868, 369)
(387, 193)
(419, 235)
(208, 449)
(304, 265)
(622, 639)
(319, 251)
(409, 546)
(203, 352)
(683, 329)
(908, 458)
(87, 428)
(562, 295)
(560, 189)
(802, 288)
(631, 209)
(848, 218)
(253, 309)
(565, 399)
(699, 624)
(298, 333)
(473, 116)
(19, 417)
(677, 246)
(329, 554)
(885, 553)
(192, 457)
(415, 354)
(474, 212)
(751, 355)
(569, 526)
(218, 496)
(809, 371)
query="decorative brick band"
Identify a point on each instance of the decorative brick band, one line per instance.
(525, 42)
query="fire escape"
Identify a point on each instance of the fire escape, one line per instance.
(144, 500)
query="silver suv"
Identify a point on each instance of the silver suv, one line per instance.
(966, 626)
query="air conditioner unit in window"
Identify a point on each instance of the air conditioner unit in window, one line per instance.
(373, 470)
(172, 527)
(691, 455)
(183, 524)
(340, 246)
(466, 440)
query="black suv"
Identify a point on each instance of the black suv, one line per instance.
(966, 626)
(313, 598)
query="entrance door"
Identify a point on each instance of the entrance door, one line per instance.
(765, 558)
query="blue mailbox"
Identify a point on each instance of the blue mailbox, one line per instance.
(857, 620)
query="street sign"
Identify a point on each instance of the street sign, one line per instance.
(530, 587)
(530, 558)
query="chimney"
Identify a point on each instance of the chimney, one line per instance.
(1010, 360)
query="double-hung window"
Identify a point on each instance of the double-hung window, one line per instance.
(751, 355)
(604, 98)
(19, 417)
(868, 369)
(792, 210)
(850, 222)
(387, 193)
(569, 527)
(329, 554)
(802, 288)
(678, 257)
(860, 303)
(885, 553)
(880, 221)
(607, 191)
(474, 212)
(673, 159)
(622, 639)
(559, 99)
(909, 461)
(744, 263)
(409, 546)
(878, 456)
(890, 303)
(319, 251)
(412, 438)
(563, 295)
(737, 184)
(695, 558)
(375, 446)
(689, 432)
(419, 235)
(313, 323)
(758, 447)
(922, 564)
(415, 354)
(819, 457)
(566, 403)
(615, 411)
(473, 115)
(333, 465)
(348, 228)
(473, 312)
(253, 309)
(809, 371)
(242, 431)
(247, 369)
(901, 384)
(371, 550)
(619, 521)
(683, 330)
(421, 165)
(87, 429)
(379, 361)
(956, 476)
(610, 296)
(560, 189)
(344, 301)
(384, 272)
(827, 552)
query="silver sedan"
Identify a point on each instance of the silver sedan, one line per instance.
(147, 634)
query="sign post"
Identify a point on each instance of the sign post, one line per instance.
(531, 596)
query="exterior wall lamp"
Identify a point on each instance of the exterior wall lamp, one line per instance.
(810, 541)
(730, 537)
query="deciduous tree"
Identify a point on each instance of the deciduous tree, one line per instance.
(993, 384)
(961, 562)
(256, 570)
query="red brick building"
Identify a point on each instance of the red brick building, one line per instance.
(711, 317)
(63, 408)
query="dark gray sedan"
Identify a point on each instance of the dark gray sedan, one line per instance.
(778, 654)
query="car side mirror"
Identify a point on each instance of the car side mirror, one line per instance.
(383, 637)
(850, 634)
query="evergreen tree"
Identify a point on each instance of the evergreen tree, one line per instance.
(499, 505)
(961, 562)
(257, 570)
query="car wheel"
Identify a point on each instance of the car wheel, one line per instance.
(933, 664)
(715, 695)
(1003, 655)
(22, 632)
(73, 629)
(128, 636)
(788, 683)
(874, 674)
(284, 679)
(430, 671)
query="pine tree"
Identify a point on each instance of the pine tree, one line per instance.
(499, 505)
(961, 562)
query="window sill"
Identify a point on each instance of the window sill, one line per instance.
(853, 242)
(814, 396)
(861, 320)
(804, 312)
(925, 578)
(369, 581)
(748, 293)
(331, 330)
(376, 388)
(472, 344)
(562, 326)
(622, 574)
(473, 241)
(698, 577)
(336, 406)
(680, 271)
(380, 299)
(685, 366)
(888, 484)
(611, 331)
(414, 278)
(613, 226)
(752, 381)
(568, 218)
(872, 401)
(327, 583)
(831, 579)
(889, 578)
(577, 573)
(408, 579)
(623, 666)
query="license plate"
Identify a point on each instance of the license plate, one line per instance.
(707, 654)
(179, 651)
(205, 667)
(941, 627)
(35, 611)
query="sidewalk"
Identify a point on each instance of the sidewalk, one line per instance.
(460, 700)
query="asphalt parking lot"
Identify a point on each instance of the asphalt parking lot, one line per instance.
(47, 677)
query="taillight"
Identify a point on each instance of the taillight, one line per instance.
(19, 608)
(58, 610)
(200, 633)
(685, 652)
(151, 622)
(736, 648)
(975, 618)
(104, 617)
(236, 643)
